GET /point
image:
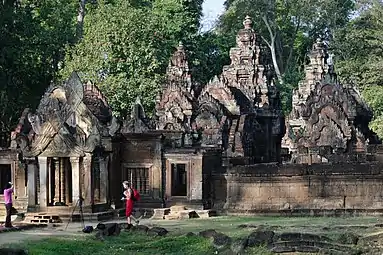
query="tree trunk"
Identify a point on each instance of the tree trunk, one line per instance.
(275, 62)
(272, 46)
(80, 19)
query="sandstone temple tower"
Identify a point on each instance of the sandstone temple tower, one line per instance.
(328, 119)
(241, 108)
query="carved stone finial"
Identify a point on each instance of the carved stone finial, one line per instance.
(248, 22)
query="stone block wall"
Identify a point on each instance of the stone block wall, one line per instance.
(268, 188)
(140, 151)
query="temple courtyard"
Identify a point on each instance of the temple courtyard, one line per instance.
(331, 235)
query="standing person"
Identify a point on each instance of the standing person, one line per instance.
(8, 192)
(129, 198)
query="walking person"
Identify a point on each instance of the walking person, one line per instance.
(8, 192)
(129, 198)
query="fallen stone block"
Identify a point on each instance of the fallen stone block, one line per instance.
(221, 241)
(258, 238)
(109, 229)
(12, 251)
(190, 234)
(238, 246)
(157, 231)
(209, 233)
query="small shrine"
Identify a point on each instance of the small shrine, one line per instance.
(329, 121)
(66, 148)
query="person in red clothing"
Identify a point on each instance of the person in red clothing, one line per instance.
(128, 197)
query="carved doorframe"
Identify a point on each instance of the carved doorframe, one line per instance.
(169, 180)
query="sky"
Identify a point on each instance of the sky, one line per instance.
(211, 10)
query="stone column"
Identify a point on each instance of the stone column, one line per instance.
(87, 179)
(76, 182)
(104, 179)
(44, 185)
(56, 177)
(68, 177)
(62, 181)
(32, 172)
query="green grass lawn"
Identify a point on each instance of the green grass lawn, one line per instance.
(177, 243)
(126, 243)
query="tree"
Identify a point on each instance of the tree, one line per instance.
(359, 55)
(126, 47)
(288, 28)
(33, 35)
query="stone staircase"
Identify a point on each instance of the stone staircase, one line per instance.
(180, 213)
(42, 218)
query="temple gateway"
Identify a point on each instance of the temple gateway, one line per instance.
(222, 147)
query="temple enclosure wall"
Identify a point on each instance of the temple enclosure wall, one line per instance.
(300, 189)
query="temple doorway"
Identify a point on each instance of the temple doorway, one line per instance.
(60, 182)
(179, 180)
(5, 176)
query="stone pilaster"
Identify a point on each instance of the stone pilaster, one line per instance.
(44, 185)
(87, 179)
(76, 181)
(62, 180)
(104, 179)
(56, 177)
(32, 181)
(68, 177)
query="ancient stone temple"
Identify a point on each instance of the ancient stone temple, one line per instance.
(241, 110)
(328, 119)
(66, 148)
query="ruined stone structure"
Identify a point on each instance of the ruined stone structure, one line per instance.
(66, 148)
(216, 147)
(240, 110)
(329, 121)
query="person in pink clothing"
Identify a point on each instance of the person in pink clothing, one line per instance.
(8, 192)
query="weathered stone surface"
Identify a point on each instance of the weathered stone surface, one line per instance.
(123, 225)
(258, 238)
(231, 111)
(221, 240)
(208, 233)
(157, 231)
(190, 234)
(239, 246)
(12, 251)
(109, 229)
(303, 236)
(328, 119)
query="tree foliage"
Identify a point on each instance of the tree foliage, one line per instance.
(288, 28)
(126, 47)
(359, 53)
(33, 35)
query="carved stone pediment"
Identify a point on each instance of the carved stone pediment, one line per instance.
(137, 122)
(66, 121)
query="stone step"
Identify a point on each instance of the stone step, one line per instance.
(42, 218)
(190, 214)
(160, 214)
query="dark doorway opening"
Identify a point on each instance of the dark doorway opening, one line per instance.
(179, 180)
(5, 176)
